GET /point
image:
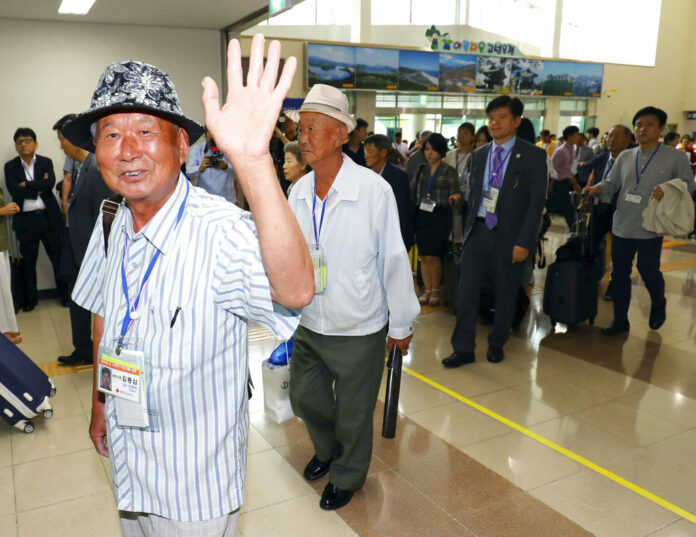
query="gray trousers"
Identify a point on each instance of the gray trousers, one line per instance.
(148, 525)
(334, 382)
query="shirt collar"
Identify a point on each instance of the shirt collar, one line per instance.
(160, 226)
(507, 146)
(384, 166)
(345, 188)
(31, 164)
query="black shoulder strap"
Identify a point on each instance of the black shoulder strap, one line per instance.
(109, 208)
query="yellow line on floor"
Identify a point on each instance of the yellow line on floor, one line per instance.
(560, 449)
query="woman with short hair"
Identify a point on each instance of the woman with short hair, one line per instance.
(434, 188)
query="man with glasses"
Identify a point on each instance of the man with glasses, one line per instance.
(30, 178)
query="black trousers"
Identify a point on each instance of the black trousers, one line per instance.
(485, 254)
(622, 253)
(39, 230)
(80, 318)
(559, 202)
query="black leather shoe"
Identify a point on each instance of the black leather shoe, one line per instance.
(334, 497)
(616, 328)
(657, 317)
(316, 469)
(28, 307)
(74, 359)
(459, 358)
(495, 355)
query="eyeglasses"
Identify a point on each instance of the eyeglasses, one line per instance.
(24, 141)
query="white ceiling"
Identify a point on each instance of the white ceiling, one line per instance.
(208, 14)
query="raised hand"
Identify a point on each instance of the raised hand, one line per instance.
(242, 128)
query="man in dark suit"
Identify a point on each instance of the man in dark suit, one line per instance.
(506, 200)
(597, 170)
(86, 192)
(376, 149)
(30, 179)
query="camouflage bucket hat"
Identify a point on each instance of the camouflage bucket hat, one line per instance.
(131, 86)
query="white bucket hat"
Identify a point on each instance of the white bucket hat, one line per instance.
(329, 101)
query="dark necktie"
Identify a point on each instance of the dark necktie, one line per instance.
(492, 218)
(610, 163)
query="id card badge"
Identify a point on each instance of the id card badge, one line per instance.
(633, 197)
(428, 205)
(316, 252)
(490, 199)
(124, 376)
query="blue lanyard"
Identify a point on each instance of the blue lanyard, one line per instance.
(640, 175)
(491, 173)
(321, 219)
(128, 318)
(431, 179)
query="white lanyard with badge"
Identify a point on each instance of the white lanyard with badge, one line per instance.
(634, 195)
(125, 373)
(428, 204)
(316, 252)
(490, 195)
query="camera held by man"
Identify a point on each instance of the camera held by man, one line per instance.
(213, 157)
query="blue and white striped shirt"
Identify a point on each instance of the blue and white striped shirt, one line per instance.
(210, 266)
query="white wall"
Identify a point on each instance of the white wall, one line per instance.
(52, 68)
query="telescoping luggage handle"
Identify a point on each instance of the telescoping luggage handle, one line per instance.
(391, 399)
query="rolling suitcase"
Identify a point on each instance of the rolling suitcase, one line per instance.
(24, 388)
(572, 281)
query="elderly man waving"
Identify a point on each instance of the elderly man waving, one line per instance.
(363, 281)
(183, 272)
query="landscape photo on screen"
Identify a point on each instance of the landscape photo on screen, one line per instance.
(418, 71)
(457, 72)
(330, 64)
(558, 78)
(493, 74)
(376, 68)
(526, 76)
(587, 80)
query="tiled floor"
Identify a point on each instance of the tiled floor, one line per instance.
(627, 404)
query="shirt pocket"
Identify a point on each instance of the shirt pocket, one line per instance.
(172, 347)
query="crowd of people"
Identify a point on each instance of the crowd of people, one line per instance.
(335, 210)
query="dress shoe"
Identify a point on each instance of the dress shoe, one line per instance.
(657, 317)
(316, 469)
(334, 497)
(608, 297)
(28, 307)
(74, 359)
(458, 358)
(616, 327)
(495, 355)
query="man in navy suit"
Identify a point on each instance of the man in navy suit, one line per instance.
(506, 200)
(30, 179)
(86, 192)
(376, 149)
(597, 170)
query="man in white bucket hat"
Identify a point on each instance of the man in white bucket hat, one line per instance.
(363, 281)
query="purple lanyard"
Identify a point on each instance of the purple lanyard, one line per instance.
(491, 173)
(431, 179)
(317, 233)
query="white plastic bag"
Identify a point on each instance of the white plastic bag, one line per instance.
(276, 391)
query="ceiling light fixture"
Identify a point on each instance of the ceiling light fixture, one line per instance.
(75, 7)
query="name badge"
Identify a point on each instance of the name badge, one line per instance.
(316, 252)
(428, 205)
(633, 198)
(490, 199)
(121, 377)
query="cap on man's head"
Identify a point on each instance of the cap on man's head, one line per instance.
(131, 86)
(331, 102)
